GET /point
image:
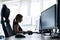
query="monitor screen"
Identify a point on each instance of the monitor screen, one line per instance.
(48, 18)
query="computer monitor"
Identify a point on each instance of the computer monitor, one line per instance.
(48, 18)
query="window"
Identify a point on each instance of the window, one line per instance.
(30, 9)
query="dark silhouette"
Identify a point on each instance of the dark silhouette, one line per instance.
(16, 27)
(5, 12)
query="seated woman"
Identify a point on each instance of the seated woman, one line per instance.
(16, 28)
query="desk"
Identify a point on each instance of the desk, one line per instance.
(31, 37)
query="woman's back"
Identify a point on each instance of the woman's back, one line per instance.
(16, 26)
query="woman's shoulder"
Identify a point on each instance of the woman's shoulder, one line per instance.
(14, 22)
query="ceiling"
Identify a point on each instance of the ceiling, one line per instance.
(4, 0)
(7, 0)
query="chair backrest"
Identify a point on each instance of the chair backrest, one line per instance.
(7, 29)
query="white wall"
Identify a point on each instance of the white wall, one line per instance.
(48, 3)
(30, 9)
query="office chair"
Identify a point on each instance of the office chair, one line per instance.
(6, 28)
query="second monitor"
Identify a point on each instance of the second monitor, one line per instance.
(48, 18)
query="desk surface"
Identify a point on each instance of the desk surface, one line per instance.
(31, 37)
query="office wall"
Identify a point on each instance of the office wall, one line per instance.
(27, 10)
(48, 3)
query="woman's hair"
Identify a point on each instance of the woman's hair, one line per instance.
(18, 16)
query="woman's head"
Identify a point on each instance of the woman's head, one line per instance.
(18, 17)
